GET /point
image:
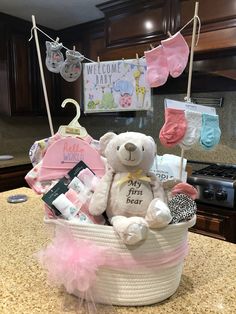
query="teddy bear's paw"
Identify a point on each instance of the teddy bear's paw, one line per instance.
(131, 230)
(158, 214)
(135, 233)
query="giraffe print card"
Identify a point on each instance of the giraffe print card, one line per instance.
(113, 86)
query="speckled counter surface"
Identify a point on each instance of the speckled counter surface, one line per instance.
(19, 159)
(208, 283)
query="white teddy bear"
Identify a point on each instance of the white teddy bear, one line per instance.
(132, 197)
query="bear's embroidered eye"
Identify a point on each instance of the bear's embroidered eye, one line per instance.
(118, 147)
(142, 148)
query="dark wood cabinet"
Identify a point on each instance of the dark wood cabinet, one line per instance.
(129, 27)
(216, 222)
(217, 14)
(13, 177)
(218, 23)
(20, 82)
(19, 73)
(128, 23)
(134, 23)
(15, 59)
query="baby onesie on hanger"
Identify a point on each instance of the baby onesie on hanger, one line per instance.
(64, 154)
(61, 157)
(37, 152)
(32, 179)
(39, 148)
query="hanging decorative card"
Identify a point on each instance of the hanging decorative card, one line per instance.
(113, 86)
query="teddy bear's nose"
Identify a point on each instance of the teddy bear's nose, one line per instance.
(130, 147)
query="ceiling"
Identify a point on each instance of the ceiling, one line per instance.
(55, 14)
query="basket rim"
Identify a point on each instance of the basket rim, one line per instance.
(62, 222)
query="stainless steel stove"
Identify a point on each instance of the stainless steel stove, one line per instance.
(216, 185)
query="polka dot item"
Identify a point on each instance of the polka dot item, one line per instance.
(182, 208)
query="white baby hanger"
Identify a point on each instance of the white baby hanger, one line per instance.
(73, 128)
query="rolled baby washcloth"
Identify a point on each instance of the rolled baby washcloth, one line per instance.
(88, 178)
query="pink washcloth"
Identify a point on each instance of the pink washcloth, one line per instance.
(88, 178)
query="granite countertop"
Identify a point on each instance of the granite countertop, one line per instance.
(208, 283)
(19, 159)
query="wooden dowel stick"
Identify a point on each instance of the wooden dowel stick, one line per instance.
(42, 75)
(181, 164)
(190, 72)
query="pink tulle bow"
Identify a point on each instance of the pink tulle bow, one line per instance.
(71, 263)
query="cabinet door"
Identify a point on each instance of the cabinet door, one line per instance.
(133, 22)
(216, 222)
(5, 102)
(218, 21)
(214, 226)
(214, 15)
(19, 70)
(51, 81)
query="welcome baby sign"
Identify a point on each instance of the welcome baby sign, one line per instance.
(113, 86)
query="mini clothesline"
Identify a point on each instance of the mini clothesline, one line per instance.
(190, 21)
(193, 44)
(143, 57)
(45, 34)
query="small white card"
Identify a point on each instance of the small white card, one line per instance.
(167, 167)
(182, 105)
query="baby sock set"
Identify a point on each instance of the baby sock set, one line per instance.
(70, 69)
(186, 128)
(170, 57)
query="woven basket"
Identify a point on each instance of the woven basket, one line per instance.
(134, 287)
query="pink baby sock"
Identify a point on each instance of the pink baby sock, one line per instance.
(157, 67)
(174, 127)
(176, 51)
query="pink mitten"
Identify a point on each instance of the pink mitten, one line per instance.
(157, 68)
(174, 128)
(176, 51)
(185, 188)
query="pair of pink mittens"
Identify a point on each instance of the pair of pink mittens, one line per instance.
(170, 57)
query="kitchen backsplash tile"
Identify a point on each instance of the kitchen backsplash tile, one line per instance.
(17, 134)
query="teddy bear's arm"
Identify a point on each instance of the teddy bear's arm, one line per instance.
(98, 203)
(157, 188)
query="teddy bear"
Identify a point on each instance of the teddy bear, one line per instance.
(132, 197)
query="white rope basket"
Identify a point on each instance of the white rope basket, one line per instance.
(134, 287)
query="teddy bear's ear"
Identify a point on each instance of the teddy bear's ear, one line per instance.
(154, 144)
(104, 140)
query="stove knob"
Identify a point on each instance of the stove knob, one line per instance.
(221, 195)
(209, 194)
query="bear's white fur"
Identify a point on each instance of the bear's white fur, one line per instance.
(132, 197)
